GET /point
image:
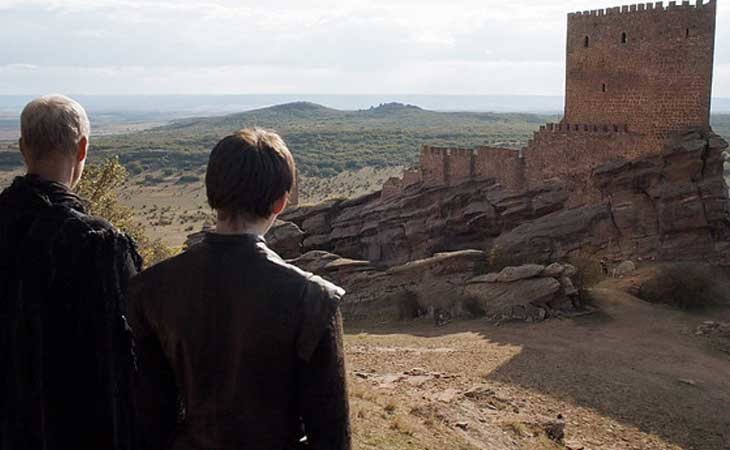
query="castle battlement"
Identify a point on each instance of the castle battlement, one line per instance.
(583, 128)
(637, 77)
(648, 65)
(642, 7)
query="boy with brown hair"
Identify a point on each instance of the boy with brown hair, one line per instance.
(238, 349)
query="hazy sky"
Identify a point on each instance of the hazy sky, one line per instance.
(295, 46)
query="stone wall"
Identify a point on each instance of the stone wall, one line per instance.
(433, 166)
(646, 65)
(460, 166)
(442, 166)
(637, 77)
(572, 151)
(503, 164)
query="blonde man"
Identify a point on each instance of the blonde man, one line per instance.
(65, 350)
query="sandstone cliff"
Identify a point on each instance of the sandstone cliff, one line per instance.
(673, 206)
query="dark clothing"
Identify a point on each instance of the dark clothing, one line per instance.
(66, 360)
(251, 345)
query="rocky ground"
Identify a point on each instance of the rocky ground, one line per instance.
(632, 375)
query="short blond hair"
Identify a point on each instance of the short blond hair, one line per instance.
(53, 123)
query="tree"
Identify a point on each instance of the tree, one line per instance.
(99, 187)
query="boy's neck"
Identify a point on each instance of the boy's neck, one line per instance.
(239, 226)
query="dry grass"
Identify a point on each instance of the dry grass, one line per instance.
(170, 210)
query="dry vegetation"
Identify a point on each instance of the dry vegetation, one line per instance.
(170, 209)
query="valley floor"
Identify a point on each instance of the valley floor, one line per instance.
(631, 376)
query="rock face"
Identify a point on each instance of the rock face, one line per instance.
(670, 207)
(446, 284)
(673, 206)
(422, 222)
(286, 238)
(428, 250)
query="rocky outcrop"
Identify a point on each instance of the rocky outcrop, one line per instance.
(286, 238)
(429, 250)
(667, 207)
(670, 207)
(447, 284)
(528, 292)
(423, 222)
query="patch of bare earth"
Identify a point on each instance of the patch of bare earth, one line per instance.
(633, 375)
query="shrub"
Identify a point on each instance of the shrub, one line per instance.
(687, 285)
(99, 187)
(187, 179)
(589, 271)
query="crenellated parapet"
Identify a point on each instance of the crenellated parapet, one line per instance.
(637, 77)
(583, 128)
(652, 7)
(548, 131)
(443, 166)
(648, 65)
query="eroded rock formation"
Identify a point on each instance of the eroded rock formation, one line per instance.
(453, 284)
(479, 249)
(673, 206)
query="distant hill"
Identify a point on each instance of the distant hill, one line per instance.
(326, 141)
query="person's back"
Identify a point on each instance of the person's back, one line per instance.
(65, 354)
(251, 345)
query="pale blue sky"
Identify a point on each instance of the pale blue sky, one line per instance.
(295, 46)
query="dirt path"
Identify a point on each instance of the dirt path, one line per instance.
(632, 376)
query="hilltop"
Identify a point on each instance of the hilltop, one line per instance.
(325, 141)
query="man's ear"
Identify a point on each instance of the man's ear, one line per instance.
(21, 147)
(280, 204)
(82, 149)
(24, 152)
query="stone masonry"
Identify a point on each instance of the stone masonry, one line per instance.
(637, 77)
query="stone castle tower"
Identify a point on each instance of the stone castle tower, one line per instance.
(645, 66)
(637, 77)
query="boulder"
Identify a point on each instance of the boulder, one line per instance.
(624, 268)
(488, 278)
(443, 283)
(500, 298)
(510, 274)
(569, 288)
(553, 270)
(286, 239)
(569, 270)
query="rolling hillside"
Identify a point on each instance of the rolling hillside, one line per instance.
(325, 141)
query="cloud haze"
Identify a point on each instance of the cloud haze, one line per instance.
(289, 46)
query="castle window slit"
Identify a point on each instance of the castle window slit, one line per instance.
(586, 42)
(624, 38)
